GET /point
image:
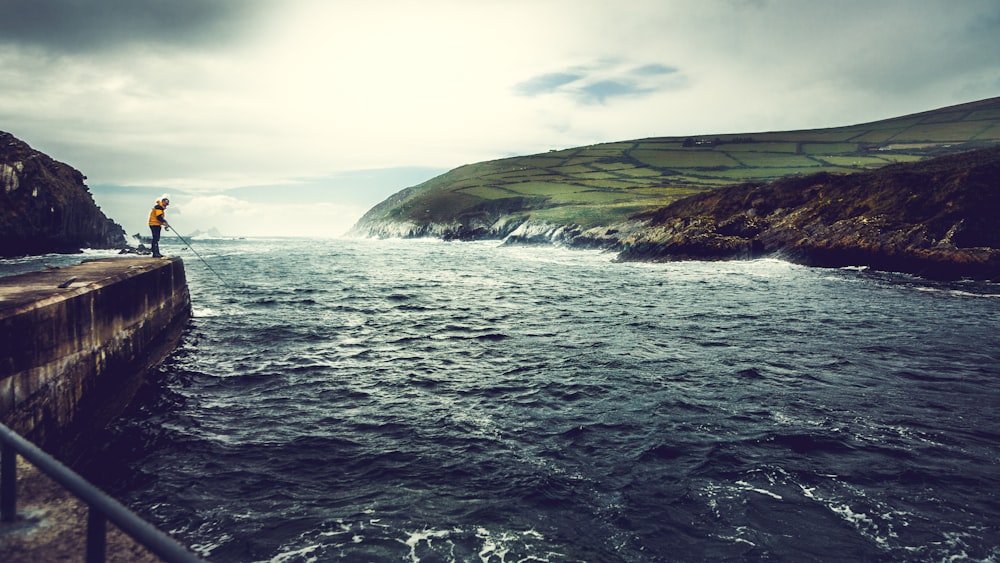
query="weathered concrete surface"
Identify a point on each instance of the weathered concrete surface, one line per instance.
(75, 343)
(52, 525)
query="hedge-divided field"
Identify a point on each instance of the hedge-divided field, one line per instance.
(599, 184)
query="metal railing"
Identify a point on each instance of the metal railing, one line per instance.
(101, 507)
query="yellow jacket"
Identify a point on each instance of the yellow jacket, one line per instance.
(156, 216)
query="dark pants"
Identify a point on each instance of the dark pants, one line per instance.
(155, 229)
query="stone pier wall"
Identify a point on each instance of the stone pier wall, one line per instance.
(76, 342)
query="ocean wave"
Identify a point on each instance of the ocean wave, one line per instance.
(416, 400)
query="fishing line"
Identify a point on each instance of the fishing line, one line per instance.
(176, 234)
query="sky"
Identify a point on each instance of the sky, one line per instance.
(293, 117)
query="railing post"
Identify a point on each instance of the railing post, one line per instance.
(8, 482)
(96, 535)
(101, 507)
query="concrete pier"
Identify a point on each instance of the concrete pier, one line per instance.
(52, 526)
(75, 343)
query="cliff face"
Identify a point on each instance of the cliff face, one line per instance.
(428, 211)
(46, 207)
(581, 190)
(935, 218)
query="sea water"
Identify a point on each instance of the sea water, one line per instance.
(365, 400)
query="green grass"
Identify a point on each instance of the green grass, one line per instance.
(896, 157)
(572, 169)
(600, 184)
(640, 172)
(991, 133)
(822, 136)
(945, 117)
(703, 181)
(765, 174)
(775, 160)
(877, 135)
(829, 148)
(541, 188)
(770, 147)
(857, 161)
(488, 192)
(684, 158)
(596, 176)
(615, 185)
(594, 197)
(953, 131)
(987, 114)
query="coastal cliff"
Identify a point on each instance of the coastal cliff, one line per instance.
(46, 207)
(935, 218)
(909, 194)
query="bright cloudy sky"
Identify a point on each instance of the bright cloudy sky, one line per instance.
(293, 117)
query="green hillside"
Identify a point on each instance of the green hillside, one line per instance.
(604, 183)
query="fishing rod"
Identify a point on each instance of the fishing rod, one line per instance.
(176, 234)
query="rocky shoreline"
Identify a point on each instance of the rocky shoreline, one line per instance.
(934, 218)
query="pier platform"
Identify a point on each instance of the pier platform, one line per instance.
(75, 345)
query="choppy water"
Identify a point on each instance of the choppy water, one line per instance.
(431, 401)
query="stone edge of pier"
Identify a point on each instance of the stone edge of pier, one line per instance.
(76, 343)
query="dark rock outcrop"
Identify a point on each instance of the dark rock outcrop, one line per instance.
(45, 206)
(935, 218)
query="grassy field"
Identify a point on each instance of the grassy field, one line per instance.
(600, 184)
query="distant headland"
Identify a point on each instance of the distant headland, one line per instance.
(45, 206)
(909, 194)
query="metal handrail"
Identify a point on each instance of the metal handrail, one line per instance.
(101, 507)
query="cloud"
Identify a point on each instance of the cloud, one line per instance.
(598, 82)
(326, 206)
(249, 97)
(654, 70)
(233, 216)
(545, 83)
(74, 26)
(601, 90)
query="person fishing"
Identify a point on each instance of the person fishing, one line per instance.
(157, 220)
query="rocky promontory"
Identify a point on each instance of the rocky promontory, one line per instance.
(935, 218)
(46, 207)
